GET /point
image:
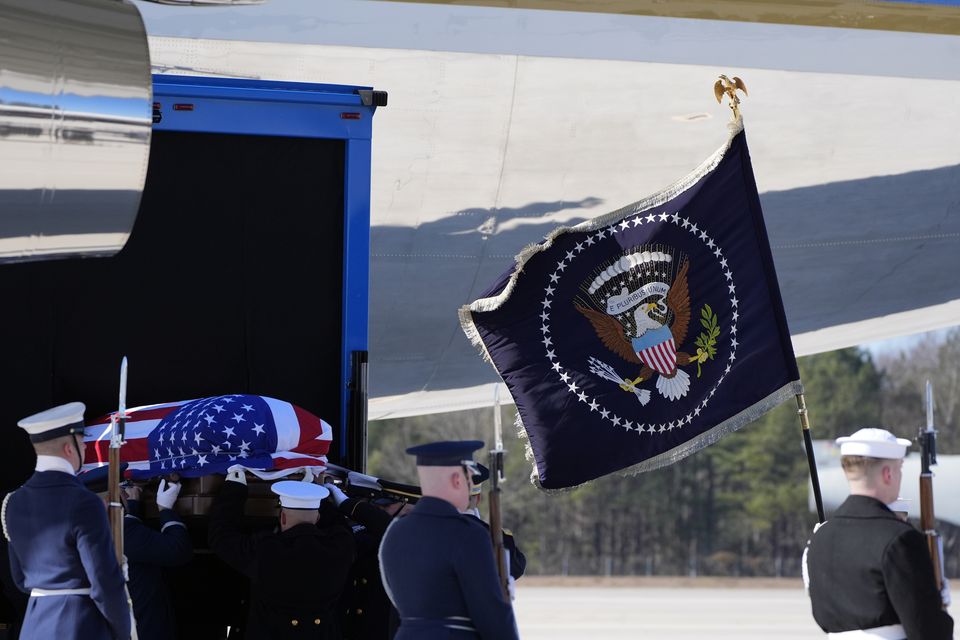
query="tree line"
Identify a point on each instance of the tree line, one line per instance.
(737, 508)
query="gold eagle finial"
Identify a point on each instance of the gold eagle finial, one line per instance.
(725, 85)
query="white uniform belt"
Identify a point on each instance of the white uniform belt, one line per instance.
(889, 632)
(37, 593)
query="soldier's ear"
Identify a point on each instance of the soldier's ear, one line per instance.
(887, 473)
(68, 449)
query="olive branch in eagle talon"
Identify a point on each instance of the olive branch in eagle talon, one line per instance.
(671, 384)
(707, 341)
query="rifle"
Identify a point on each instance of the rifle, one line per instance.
(362, 485)
(496, 519)
(118, 423)
(928, 522)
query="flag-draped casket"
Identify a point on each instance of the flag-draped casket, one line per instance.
(631, 340)
(269, 437)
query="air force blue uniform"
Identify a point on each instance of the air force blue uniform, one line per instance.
(60, 539)
(439, 571)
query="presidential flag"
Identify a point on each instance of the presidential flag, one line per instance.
(634, 339)
(269, 437)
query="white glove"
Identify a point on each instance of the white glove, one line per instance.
(167, 494)
(237, 474)
(945, 593)
(336, 493)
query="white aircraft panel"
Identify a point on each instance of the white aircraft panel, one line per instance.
(480, 154)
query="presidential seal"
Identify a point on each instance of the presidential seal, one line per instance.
(644, 314)
(640, 307)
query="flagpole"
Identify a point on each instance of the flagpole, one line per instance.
(811, 460)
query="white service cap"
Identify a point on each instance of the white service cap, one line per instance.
(295, 494)
(53, 423)
(874, 443)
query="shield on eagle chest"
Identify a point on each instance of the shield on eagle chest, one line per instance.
(658, 351)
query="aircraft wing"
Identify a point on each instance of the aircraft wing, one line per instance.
(505, 123)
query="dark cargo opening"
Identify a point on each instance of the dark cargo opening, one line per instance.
(231, 282)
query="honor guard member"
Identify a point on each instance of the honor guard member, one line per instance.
(437, 565)
(365, 606)
(870, 572)
(518, 561)
(148, 553)
(297, 574)
(61, 549)
(13, 602)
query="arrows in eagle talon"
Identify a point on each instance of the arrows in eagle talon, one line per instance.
(605, 371)
(631, 385)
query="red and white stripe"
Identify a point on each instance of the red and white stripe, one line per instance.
(661, 357)
(140, 422)
(303, 439)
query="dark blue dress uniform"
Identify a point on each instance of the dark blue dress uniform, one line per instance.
(869, 569)
(296, 576)
(13, 602)
(60, 539)
(148, 552)
(365, 607)
(439, 571)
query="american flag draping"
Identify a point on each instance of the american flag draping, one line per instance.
(198, 437)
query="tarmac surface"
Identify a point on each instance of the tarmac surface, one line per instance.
(724, 609)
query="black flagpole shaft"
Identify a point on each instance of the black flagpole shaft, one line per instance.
(811, 460)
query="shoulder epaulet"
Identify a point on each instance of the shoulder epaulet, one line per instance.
(3, 516)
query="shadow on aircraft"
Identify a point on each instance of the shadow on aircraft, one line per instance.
(845, 251)
(859, 249)
(421, 275)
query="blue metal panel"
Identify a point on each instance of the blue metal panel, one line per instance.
(356, 268)
(257, 107)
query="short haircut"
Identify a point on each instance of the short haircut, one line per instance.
(297, 516)
(857, 467)
(54, 447)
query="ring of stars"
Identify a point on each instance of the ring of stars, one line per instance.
(567, 375)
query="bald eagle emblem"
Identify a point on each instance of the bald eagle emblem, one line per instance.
(639, 307)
